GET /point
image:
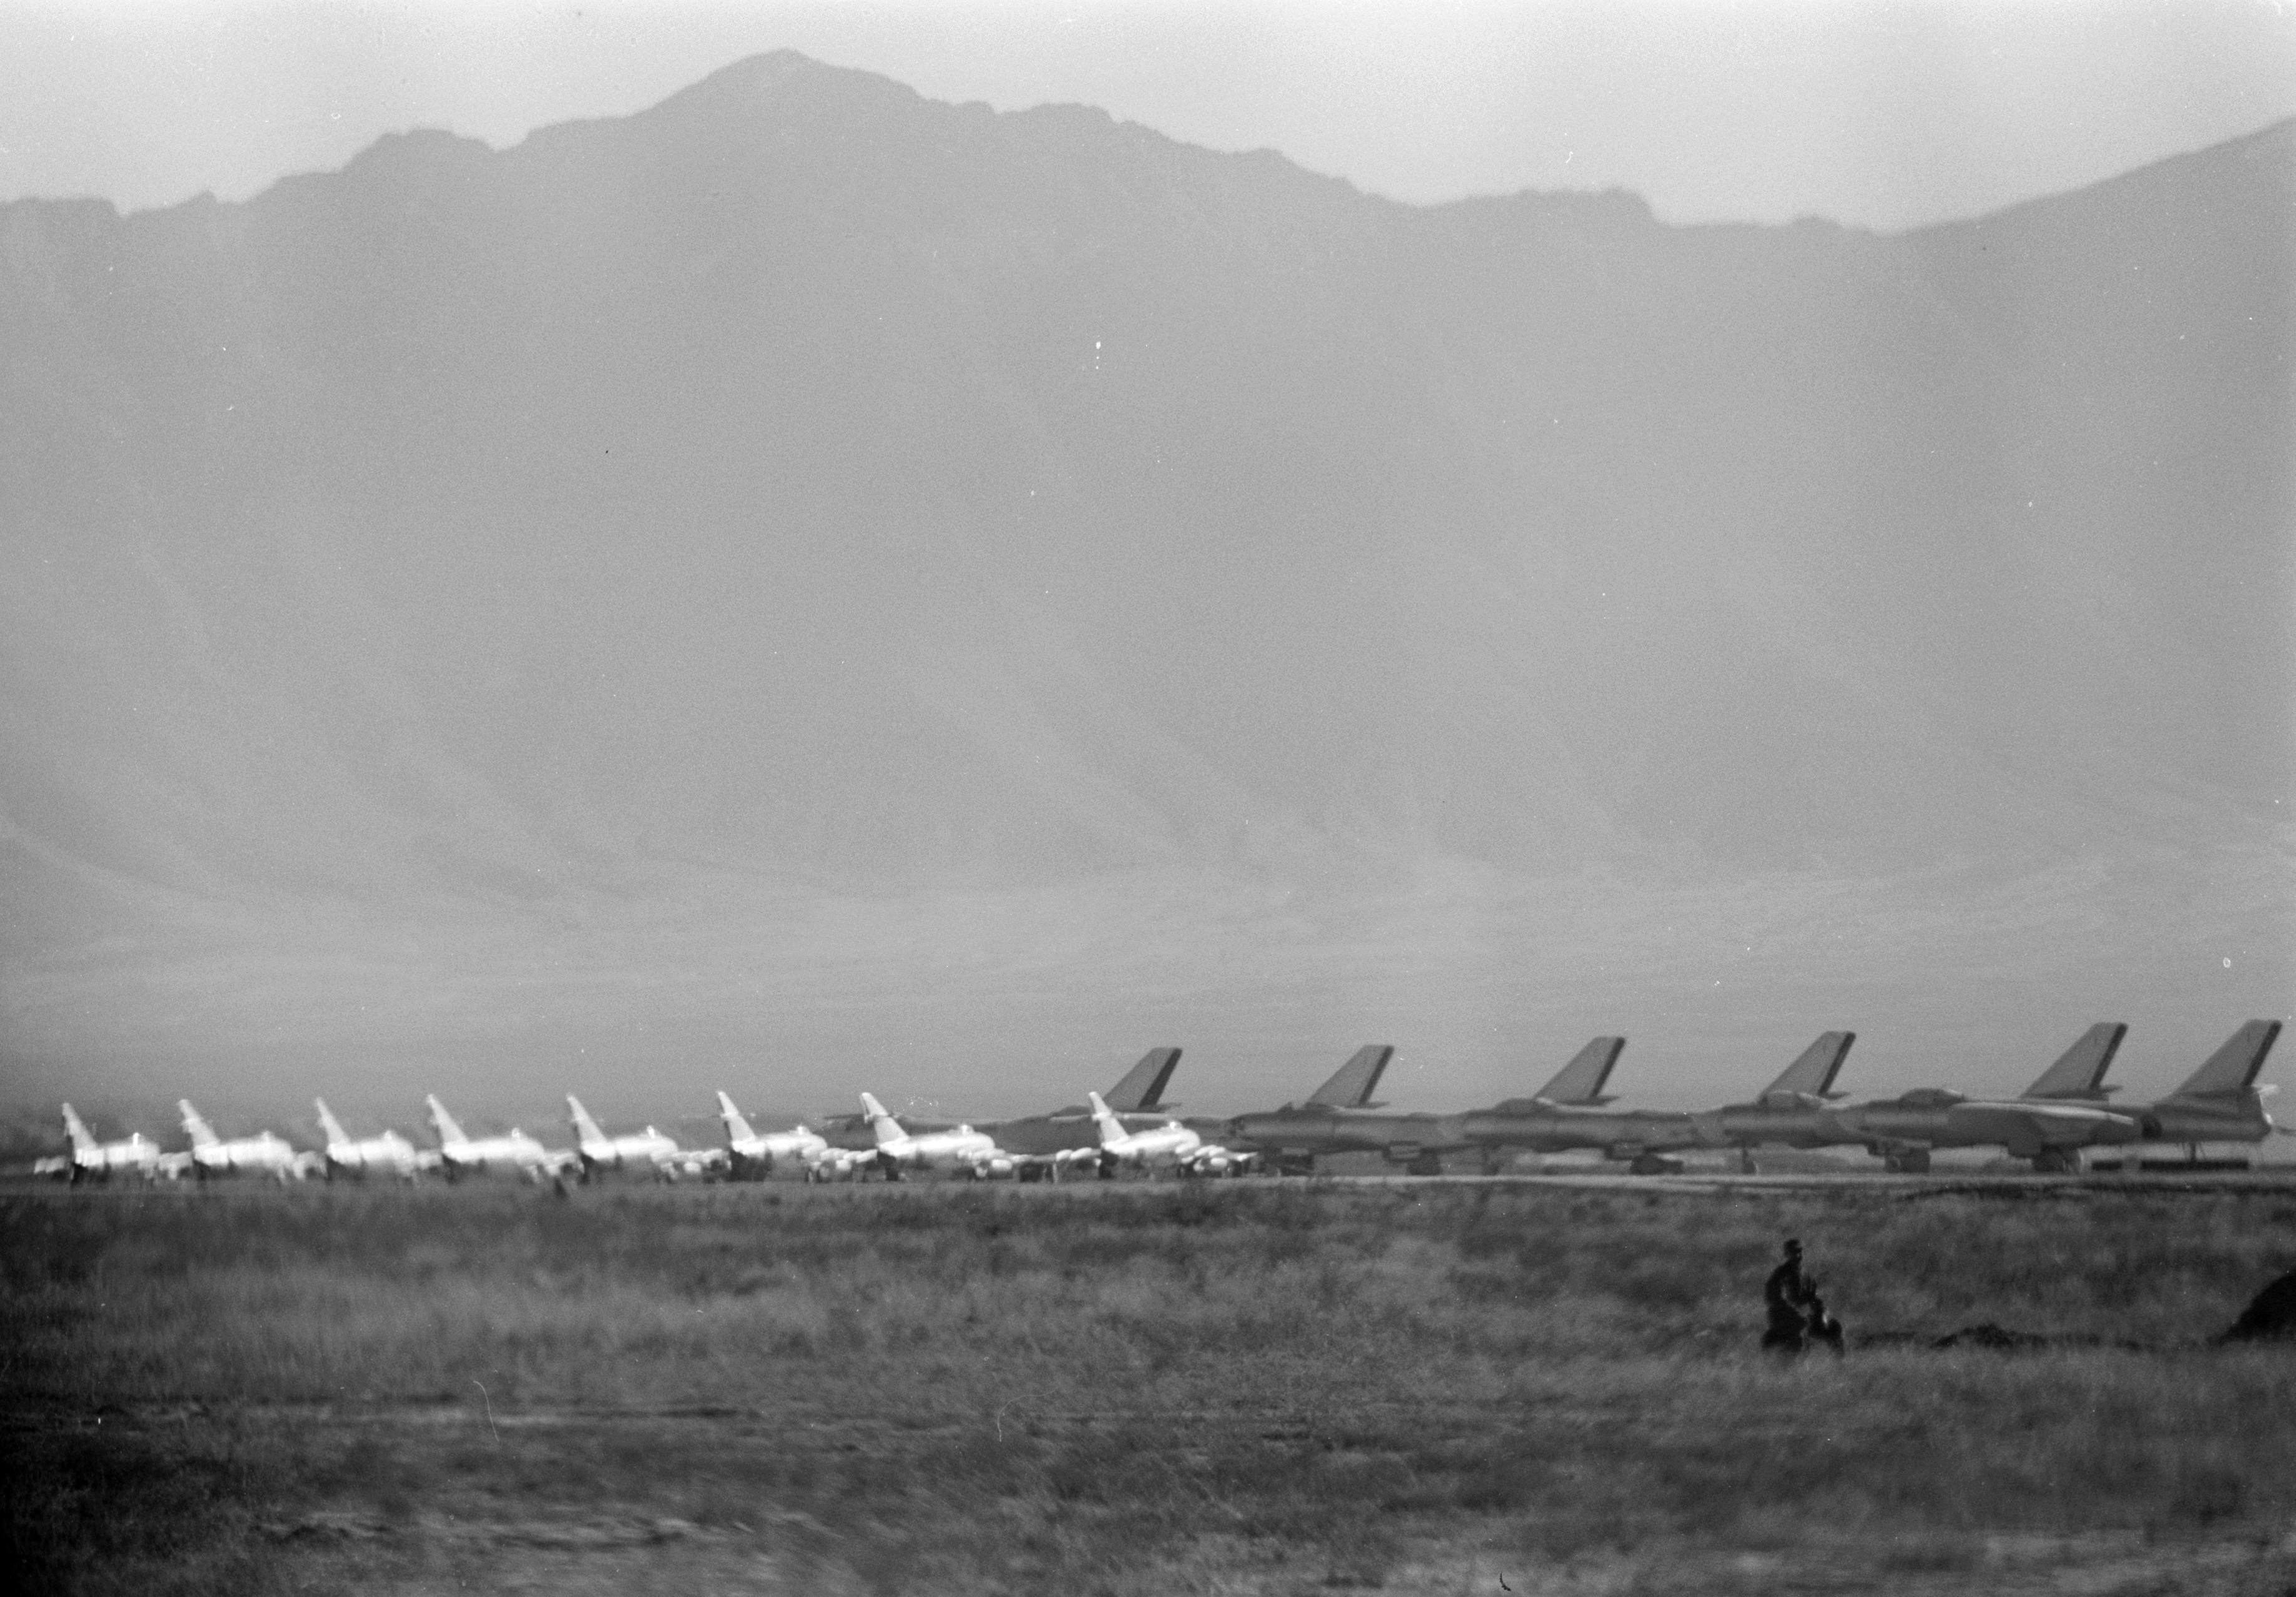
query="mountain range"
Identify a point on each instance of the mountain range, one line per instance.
(810, 563)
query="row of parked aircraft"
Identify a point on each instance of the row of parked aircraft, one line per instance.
(2064, 1113)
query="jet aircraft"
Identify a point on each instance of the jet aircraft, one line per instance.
(2045, 1125)
(135, 1154)
(266, 1153)
(2220, 1102)
(974, 1154)
(1336, 1118)
(1786, 1112)
(1171, 1146)
(1043, 1145)
(388, 1154)
(752, 1155)
(1569, 1112)
(514, 1153)
(649, 1150)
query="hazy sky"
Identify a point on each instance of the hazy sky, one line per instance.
(1885, 114)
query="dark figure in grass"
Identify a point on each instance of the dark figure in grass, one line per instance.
(1786, 1296)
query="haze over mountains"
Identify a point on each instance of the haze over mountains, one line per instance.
(806, 574)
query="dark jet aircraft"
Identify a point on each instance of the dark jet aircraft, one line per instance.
(1336, 1118)
(2220, 1102)
(1787, 1113)
(1568, 1113)
(2059, 1114)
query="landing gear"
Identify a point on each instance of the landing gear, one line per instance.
(1654, 1164)
(1907, 1161)
(2056, 1161)
(1426, 1164)
(1746, 1165)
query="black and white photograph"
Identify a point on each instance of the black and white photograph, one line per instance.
(1147, 797)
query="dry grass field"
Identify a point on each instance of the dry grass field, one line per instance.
(1254, 1387)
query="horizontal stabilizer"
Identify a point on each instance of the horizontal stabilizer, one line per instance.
(2080, 1072)
(1142, 1086)
(1812, 1074)
(1581, 1080)
(1356, 1080)
(2235, 1066)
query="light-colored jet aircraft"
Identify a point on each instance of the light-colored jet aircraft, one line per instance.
(974, 1154)
(1171, 1146)
(135, 1154)
(388, 1154)
(1045, 1144)
(513, 1153)
(751, 1155)
(2221, 1102)
(2045, 1125)
(650, 1151)
(266, 1153)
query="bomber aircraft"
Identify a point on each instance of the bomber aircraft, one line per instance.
(266, 1153)
(388, 1154)
(135, 1154)
(2220, 1102)
(2045, 1125)
(1786, 1113)
(1568, 1112)
(1337, 1119)
(971, 1152)
(514, 1153)
(653, 1152)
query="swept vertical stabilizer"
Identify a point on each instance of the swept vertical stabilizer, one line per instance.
(202, 1134)
(737, 1124)
(2232, 1068)
(2079, 1072)
(1581, 1080)
(444, 1123)
(1812, 1074)
(1352, 1087)
(1141, 1090)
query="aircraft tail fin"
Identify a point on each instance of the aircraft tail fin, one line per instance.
(2233, 1067)
(443, 1123)
(1581, 1080)
(737, 1124)
(81, 1142)
(2079, 1071)
(1142, 1086)
(1812, 1073)
(1111, 1129)
(1352, 1087)
(586, 1129)
(202, 1135)
(328, 1126)
(888, 1129)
